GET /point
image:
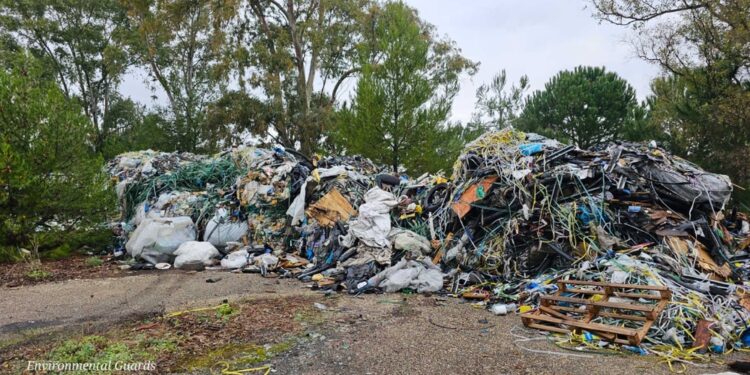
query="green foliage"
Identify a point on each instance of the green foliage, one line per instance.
(586, 106)
(99, 349)
(640, 126)
(231, 115)
(94, 261)
(497, 106)
(51, 181)
(132, 127)
(225, 310)
(183, 46)
(38, 274)
(52, 245)
(80, 44)
(294, 53)
(404, 95)
(703, 105)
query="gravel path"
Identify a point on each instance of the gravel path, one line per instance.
(389, 334)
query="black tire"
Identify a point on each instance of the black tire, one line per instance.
(436, 198)
(386, 179)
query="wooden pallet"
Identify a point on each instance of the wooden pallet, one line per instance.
(558, 313)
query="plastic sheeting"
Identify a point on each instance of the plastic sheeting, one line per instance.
(421, 275)
(161, 235)
(374, 221)
(407, 240)
(691, 185)
(237, 259)
(220, 230)
(194, 251)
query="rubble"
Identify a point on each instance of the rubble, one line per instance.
(521, 217)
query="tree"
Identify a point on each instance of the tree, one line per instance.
(404, 96)
(294, 52)
(81, 42)
(711, 131)
(234, 117)
(497, 107)
(50, 177)
(185, 49)
(587, 106)
(640, 125)
(133, 127)
(702, 102)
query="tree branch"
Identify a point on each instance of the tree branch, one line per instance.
(616, 17)
(341, 79)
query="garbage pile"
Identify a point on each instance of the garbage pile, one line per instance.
(525, 212)
(520, 214)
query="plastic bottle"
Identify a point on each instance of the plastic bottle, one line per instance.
(717, 345)
(502, 308)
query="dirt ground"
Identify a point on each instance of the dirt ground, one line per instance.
(74, 267)
(371, 334)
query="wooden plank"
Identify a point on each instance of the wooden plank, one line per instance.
(652, 317)
(619, 286)
(616, 294)
(579, 319)
(587, 326)
(566, 331)
(658, 309)
(605, 314)
(568, 309)
(548, 328)
(611, 305)
(554, 313)
(644, 330)
(634, 318)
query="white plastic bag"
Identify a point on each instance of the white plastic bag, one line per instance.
(297, 209)
(373, 223)
(141, 214)
(237, 259)
(194, 251)
(423, 276)
(220, 230)
(409, 241)
(162, 235)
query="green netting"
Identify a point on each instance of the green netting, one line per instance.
(218, 173)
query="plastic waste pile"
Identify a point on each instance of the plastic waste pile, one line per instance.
(520, 213)
(525, 211)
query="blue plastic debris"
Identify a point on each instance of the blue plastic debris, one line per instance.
(635, 349)
(530, 148)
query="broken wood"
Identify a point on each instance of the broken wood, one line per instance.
(595, 303)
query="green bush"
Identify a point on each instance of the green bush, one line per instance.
(52, 183)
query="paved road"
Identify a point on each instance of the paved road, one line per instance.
(92, 303)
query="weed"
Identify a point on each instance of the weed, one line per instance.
(239, 355)
(94, 261)
(98, 349)
(225, 310)
(38, 274)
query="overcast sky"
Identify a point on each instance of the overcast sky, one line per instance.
(533, 37)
